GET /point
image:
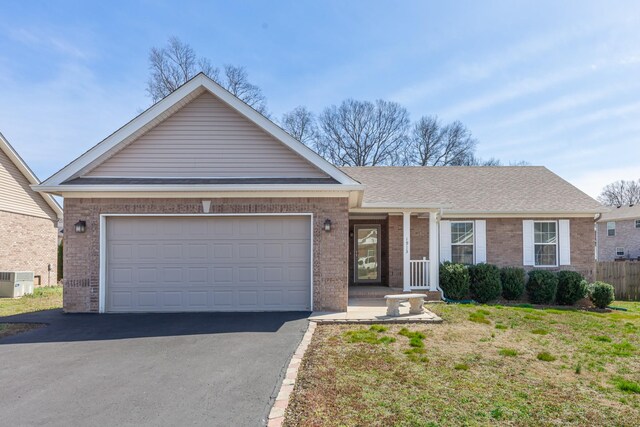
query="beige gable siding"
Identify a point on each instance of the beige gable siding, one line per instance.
(16, 195)
(206, 138)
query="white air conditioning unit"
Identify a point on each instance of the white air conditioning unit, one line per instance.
(14, 284)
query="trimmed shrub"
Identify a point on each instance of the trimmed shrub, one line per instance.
(484, 282)
(512, 279)
(601, 294)
(542, 286)
(454, 280)
(571, 287)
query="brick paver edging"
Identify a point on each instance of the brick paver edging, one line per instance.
(276, 416)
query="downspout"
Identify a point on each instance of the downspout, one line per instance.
(595, 229)
(438, 288)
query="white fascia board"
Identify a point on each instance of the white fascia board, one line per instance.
(187, 188)
(15, 158)
(172, 99)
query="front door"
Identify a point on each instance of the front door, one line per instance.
(367, 267)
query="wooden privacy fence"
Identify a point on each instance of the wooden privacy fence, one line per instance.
(623, 275)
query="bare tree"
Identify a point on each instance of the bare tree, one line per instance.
(363, 133)
(472, 160)
(236, 81)
(301, 124)
(620, 193)
(432, 144)
(174, 64)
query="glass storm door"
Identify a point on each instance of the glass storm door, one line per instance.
(367, 253)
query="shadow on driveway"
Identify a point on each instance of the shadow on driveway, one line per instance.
(88, 327)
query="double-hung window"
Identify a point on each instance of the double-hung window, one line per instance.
(545, 239)
(619, 252)
(637, 223)
(611, 228)
(462, 242)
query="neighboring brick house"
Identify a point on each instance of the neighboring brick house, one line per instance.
(28, 220)
(202, 204)
(618, 234)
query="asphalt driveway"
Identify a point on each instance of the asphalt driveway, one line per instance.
(210, 369)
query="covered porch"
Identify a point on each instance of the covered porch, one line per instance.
(393, 251)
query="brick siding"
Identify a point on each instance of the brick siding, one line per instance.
(627, 237)
(82, 251)
(29, 243)
(504, 245)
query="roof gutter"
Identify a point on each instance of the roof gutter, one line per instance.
(187, 188)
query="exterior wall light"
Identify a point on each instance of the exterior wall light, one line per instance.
(327, 225)
(80, 226)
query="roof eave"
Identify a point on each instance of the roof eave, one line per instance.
(187, 188)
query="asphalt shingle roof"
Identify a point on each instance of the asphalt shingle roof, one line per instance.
(499, 189)
(621, 213)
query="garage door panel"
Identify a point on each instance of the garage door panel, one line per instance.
(247, 252)
(208, 263)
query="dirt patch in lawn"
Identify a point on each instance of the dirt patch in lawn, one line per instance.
(518, 366)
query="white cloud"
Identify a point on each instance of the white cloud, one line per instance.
(473, 71)
(38, 38)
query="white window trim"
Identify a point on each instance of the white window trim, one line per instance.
(614, 228)
(546, 244)
(616, 250)
(472, 244)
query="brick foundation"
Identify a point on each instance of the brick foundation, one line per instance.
(330, 249)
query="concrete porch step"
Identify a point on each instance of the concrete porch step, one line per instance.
(357, 292)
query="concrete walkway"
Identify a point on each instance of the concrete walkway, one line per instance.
(373, 310)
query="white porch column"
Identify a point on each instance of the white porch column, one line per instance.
(406, 253)
(434, 256)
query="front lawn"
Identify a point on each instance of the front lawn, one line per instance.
(45, 298)
(484, 365)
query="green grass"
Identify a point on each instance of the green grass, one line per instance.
(44, 298)
(460, 375)
(508, 352)
(367, 336)
(479, 317)
(540, 331)
(545, 356)
(626, 385)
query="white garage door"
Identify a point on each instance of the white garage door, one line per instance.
(217, 263)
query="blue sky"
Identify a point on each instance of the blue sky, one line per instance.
(552, 83)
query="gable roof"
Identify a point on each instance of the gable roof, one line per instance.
(165, 108)
(28, 174)
(473, 190)
(621, 213)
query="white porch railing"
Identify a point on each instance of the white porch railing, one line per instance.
(419, 273)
